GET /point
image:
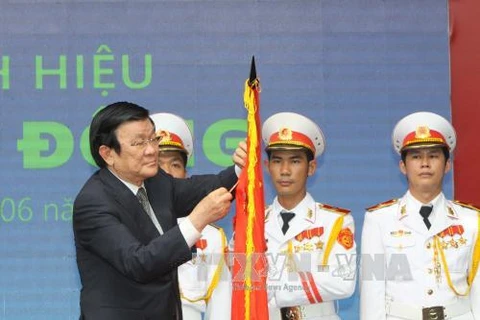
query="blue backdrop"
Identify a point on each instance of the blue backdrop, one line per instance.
(354, 67)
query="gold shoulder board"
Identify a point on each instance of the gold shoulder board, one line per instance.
(333, 209)
(467, 205)
(382, 205)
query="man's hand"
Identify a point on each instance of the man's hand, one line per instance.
(239, 157)
(213, 207)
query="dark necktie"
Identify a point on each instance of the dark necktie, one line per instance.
(286, 217)
(425, 212)
(143, 198)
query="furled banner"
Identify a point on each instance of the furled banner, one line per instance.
(249, 263)
(464, 81)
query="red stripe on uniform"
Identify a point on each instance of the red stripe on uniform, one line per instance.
(306, 288)
(314, 287)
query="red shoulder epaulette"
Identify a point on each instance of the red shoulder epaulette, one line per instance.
(333, 209)
(382, 205)
(466, 205)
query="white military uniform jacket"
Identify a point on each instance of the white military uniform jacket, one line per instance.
(311, 282)
(402, 267)
(205, 281)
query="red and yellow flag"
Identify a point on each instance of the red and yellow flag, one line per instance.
(249, 272)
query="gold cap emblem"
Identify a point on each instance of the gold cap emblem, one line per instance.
(285, 134)
(165, 135)
(422, 132)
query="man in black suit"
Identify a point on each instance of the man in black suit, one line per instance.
(127, 241)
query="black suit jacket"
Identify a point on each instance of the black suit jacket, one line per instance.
(127, 269)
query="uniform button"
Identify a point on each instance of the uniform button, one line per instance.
(430, 291)
(429, 245)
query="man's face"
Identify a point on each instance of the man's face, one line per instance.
(289, 170)
(137, 160)
(172, 162)
(425, 169)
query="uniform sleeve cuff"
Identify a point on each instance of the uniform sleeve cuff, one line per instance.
(189, 232)
(238, 171)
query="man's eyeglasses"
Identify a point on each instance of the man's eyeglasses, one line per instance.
(143, 143)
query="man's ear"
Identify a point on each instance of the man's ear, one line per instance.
(402, 167)
(448, 165)
(265, 163)
(312, 167)
(107, 154)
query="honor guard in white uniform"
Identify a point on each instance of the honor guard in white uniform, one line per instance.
(205, 281)
(420, 252)
(310, 246)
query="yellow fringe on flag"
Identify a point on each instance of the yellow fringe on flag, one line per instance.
(250, 105)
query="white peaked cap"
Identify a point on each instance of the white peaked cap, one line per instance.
(423, 130)
(175, 133)
(289, 130)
